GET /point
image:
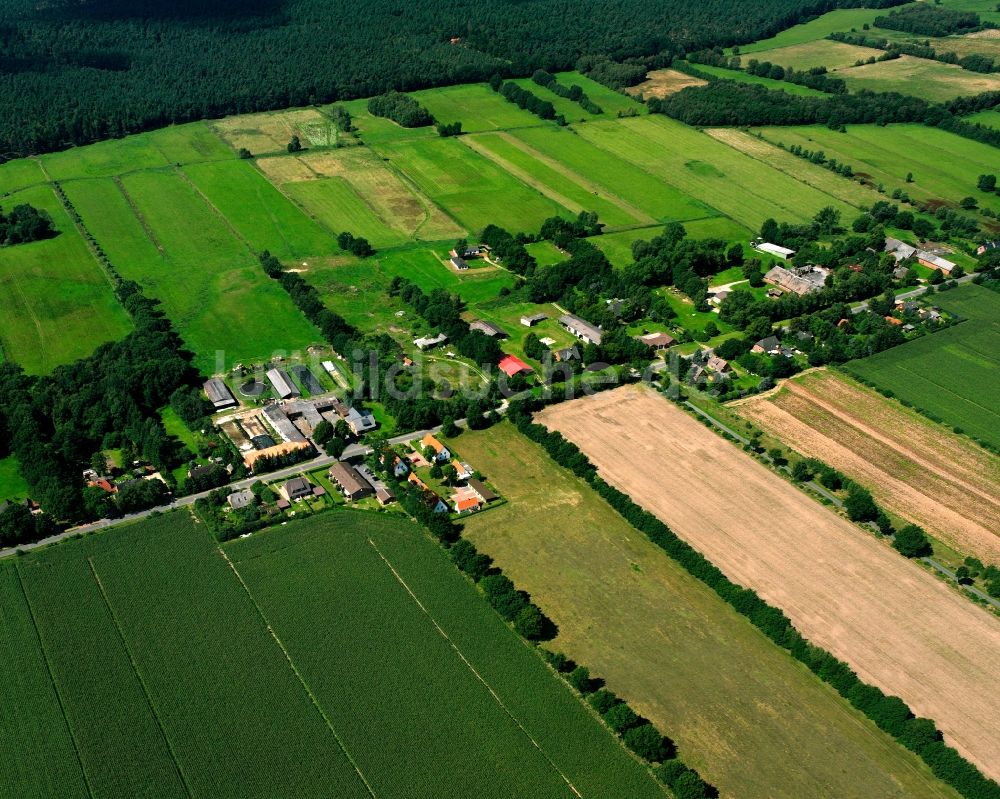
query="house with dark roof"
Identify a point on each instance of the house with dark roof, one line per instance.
(350, 483)
(490, 329)
(657, 341)
(459, 263)
(567, 354)
(219, 394)
(480, 489)
(296, 488)
(767, 345)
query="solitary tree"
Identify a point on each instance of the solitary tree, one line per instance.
(294, 145)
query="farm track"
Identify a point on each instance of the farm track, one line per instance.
(896, 625)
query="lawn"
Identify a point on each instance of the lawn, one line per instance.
(944, 166)
(746, 77)
(259, 212)
(473, 189)
(753, 721)
(821, 53)
(843, 19)
(710, 171)
(12, 485)
(545, 253)
(567, 150)
(953, 374)
(58, 302)
(415, 662)
(209, 281)
(930, 80)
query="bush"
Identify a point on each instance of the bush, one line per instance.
(621, 717)
(645, 740)
(603, 700)
(860, 506)
(579, 678)
(911, 541)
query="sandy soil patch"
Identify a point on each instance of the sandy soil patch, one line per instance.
(896, 625)
(919, 470)
(663, 82)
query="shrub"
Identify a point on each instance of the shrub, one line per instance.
(645, 740)
(912, 542)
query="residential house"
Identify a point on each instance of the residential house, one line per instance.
(773, 249)
(769, 345)
(219, 394)
(488, 328)
(467, 505)
(399, 468)
(567, 354)
(241, 499)
(716, 297)
(427, 342)
(533, 319)
(982, 249)
(581, 328)
(717, 364)
(200, 471)
(384, 496)
(350, 483)
(441, 452)
(296, 488)
(900, 272)
(463, 470)
(511, 365)
(657, 341)
(480, 489)
(459, 263)
(360, 421)
(282, 383)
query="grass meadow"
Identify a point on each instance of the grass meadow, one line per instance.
(476, 106)
(670, 646)
(953, 374)
(841, 19)
(12, 485)
(58, 302)
(820, 53)
(944, 166)
(931, 80)
(745, 77)
(19, 174)
(991, 119)
(147, 662)
(746, 190)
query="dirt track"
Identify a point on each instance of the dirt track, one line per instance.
(896, 625)
(917, 469)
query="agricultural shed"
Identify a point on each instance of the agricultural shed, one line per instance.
(219, 394)
(511, 365)
(774, 249)
(581, 328)
(533, 319)
(490, 329)
(282, 383)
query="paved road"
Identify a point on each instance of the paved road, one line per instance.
(353, 451)
(908, 295)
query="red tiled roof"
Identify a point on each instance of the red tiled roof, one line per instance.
(512, 365)
(466, 504)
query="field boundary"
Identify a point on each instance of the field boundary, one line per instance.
(138, 673)
(472, 668)
(291, 664)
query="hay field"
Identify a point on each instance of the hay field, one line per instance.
(931, 80)
(270, 132)
(896, 625)
(914, 467)
(58, 304)
(743, 712)
(820, 53)
(664, 82)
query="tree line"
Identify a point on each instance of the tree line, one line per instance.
(974, 62)
(401, 109)
(572, 92)
(925, 19)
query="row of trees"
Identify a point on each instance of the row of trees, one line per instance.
(975, 62)
(522, 98)
(572, 92)
(925, 19)
(814, 77)
(401, 109)
(889, 713)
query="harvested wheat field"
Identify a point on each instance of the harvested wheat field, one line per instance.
(916, 468)
(664, 82)
(896, 625)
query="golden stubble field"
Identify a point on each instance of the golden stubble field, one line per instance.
(918, 469)
(896, 625)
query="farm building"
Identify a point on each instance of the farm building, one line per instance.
(533, 319)
(657, 341)
(241, 499)
(511, 365)
(282, 425)
(773, 249)
(441, 452)
(567, 354)
(296, 488)
(459, 263)
(900, 250)
(219, 394)
(480, 489)
(350, 483)
(307, 379)
(932, 261)
(490, 329)
(283, 385)
(427, 342)
(803, 280)
(581, 328)
(360, 421)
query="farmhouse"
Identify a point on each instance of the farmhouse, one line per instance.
(533, 319)
(240, 499)
(932, 261)
(459, 263)
(219, 394)
(360, 421)
(717, 364)
(282, 425)
(296, 488)
(480, 490)
(581, 328)
(900, 250)
(773, 249)
(441, 452)
(657, 341)
(283, 386)
(769, 345)
(350, 483)
(803, 280)
(567, 354)
(427, 342)
(488, 328)
(511, 365)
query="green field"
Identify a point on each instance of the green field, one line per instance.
(930, 80)
(990, 119)
(258, 211)
(944, 166)
(710, 171)
(476, 106)
(821, 53)
(333, 202)
(473, 189)
(12, 485)
(16, 175)
(58, 304)
(757, 80)
(954, 374)
(842, 19)
(144, 663)
(753, 721)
